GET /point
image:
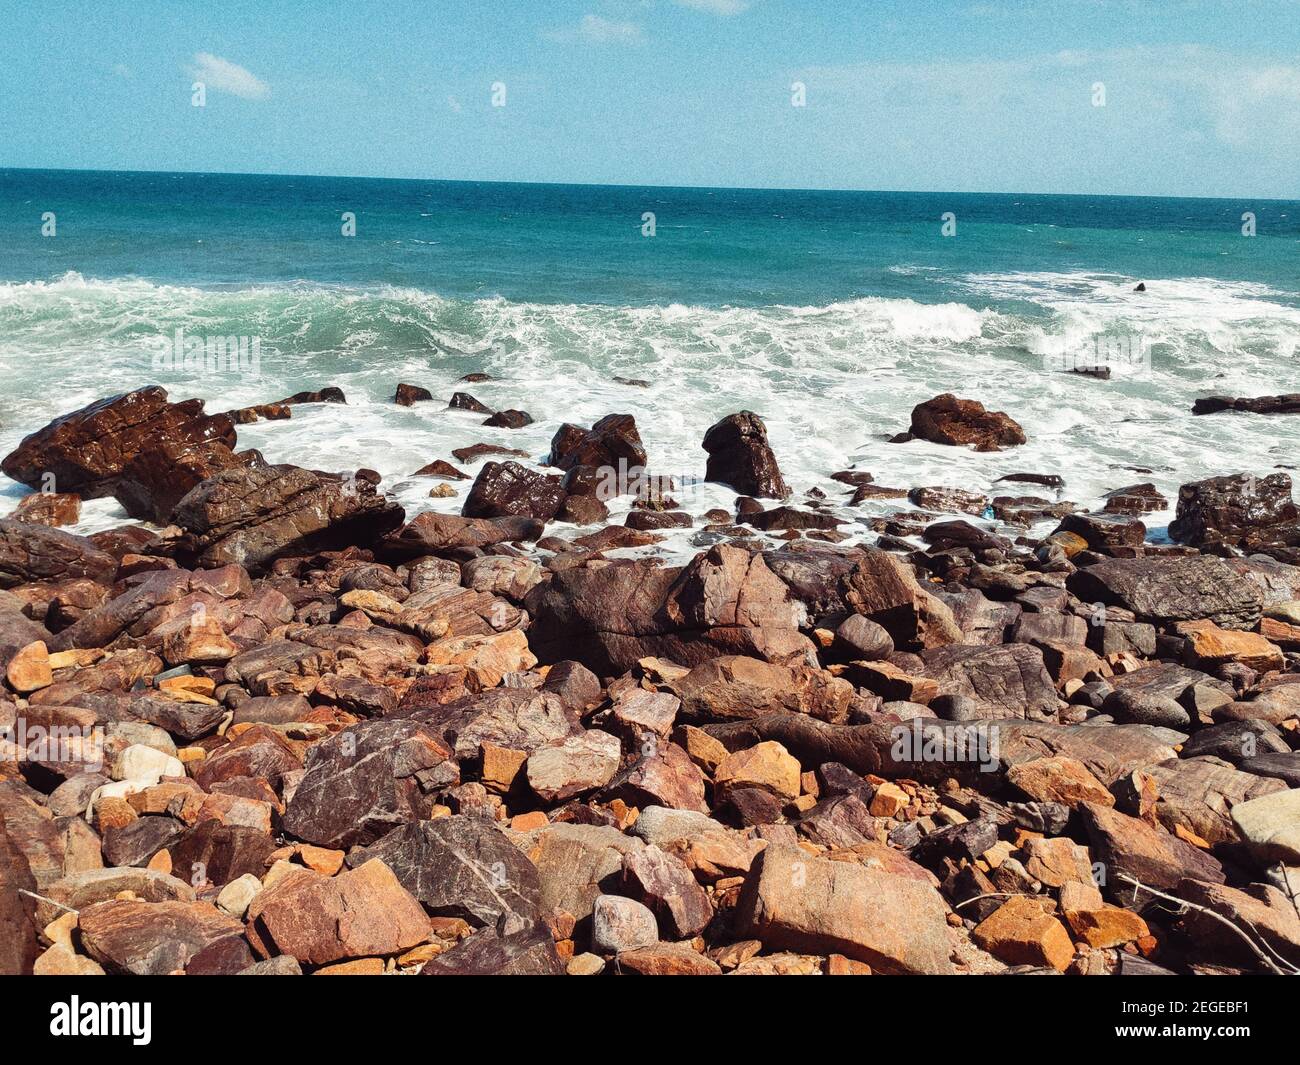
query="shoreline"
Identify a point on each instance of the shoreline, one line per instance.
(296, 697)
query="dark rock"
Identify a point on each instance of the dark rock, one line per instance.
(1240, 511)
(612, 441)
(329, 394)
(430, 533)
(441, 468)
(217, 854)
(88, 449)
(1135, 499)
(364, 781)
(464, 401)
(30, 553)
(490, 952)
(254, 515)
(154, 481)
(151, 938)
(509, 419)
(508, 489)
(1167, 590)
(408, 395)
(460, 867)
(1284, 404)
(740, 457)
(582, 510)
(1006, 681)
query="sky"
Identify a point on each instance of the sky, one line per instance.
(1137, 97)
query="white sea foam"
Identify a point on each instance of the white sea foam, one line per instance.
(832, 382)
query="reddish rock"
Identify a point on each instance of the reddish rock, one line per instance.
(504, 489)
(49, 508)
(960, 422)
(88, 449)
(409, 395)
(740, 457)
(317, 919)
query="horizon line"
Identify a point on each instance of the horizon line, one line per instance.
(631, 185)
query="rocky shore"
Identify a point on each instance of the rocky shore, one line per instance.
(279, 728)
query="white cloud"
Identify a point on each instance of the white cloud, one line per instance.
(596, 30)
(225, 76)
(716, 7)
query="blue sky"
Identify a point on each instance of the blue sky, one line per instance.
(1202, 97)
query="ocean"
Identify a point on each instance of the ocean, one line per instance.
(831, 314)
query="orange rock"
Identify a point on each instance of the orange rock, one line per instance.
(1107, 926)
(501, 767)
(888, 800)
(1209, 646)
(839, 965)
(321, 859)
(29, 670)
(1022, 932)
(766, 765)
(360, 967)
(1059, 779)
(527, 822)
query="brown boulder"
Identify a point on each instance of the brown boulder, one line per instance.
(253, 515)
(740, 457)
(504, 489)
(958, 422)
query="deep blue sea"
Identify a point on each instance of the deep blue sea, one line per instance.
(829, 313)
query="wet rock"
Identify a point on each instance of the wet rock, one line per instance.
(252, 516)
(1135, 499)
(154, 481)
(1284, 404)
(88, 449)
(582, 510)
(329, 394)
(509, 419)
(960, 422)
(428, 533)
(740, 457)
(409, 395)
(1105, 532)
(441, 468)
(30, 553)
(49, 508)
(1240, 510)
(612, 441)
(508, 489)
(464, 401)
(949, 499)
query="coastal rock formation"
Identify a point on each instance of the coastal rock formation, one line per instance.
(961, 422)
(1285, 404)
(741, 458)
(290, 734)
(1240, 511)
(86, 451)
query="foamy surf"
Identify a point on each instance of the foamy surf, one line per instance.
(832, 382)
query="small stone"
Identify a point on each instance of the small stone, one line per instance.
(619, 924)
(29, 670)
(585, 965)
(235, 897)
(888, 800)
(1022, 932)
(766, 765)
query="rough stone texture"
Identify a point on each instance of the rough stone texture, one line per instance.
(88, 449)
(1270, 825)
(151, 938)
(460, 867)
(1168, 590)
(741, 458)
(507, 489)
(317, 919)
(366, 780)
(30, 552)
(1240, 510)
(251, 516)
(959, 422)
(1005, 681)
(795, 902)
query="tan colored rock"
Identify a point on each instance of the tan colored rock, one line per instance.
(1023, 932)
(196, 640)
(705, 751)
(1060, 779)
(317, 919)
(489, 658)
(29, 670)
(888, 800)
(1107, 926)
(1210, 646)
(1057, 861)
(501, 767)
(796, 902)
(766, 765)
(666, 959)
